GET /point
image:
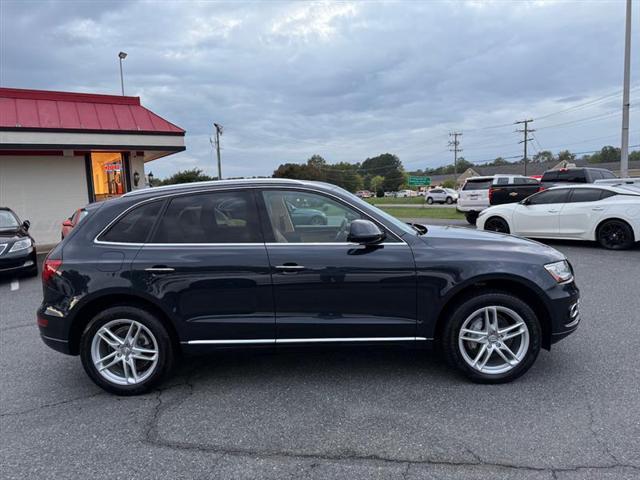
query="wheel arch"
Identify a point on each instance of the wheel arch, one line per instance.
(94, 305)
(594, 235)
(516, 286)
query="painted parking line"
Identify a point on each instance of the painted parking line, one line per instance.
(15, 285)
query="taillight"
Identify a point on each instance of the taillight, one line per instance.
(540, 188)
(49, 269)
(490, 194)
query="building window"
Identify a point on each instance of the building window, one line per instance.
(108, 175)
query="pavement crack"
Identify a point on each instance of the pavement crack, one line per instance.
(594, 432)
(49, 405)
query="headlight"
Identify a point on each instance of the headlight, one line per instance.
(560, 271)
(21, 245)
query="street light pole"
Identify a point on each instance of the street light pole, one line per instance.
(624, 147)
(122, 56)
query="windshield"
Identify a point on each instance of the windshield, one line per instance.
(8, 221)
(390, 218)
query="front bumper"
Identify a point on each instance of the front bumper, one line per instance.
(19, 261)
(565, 311)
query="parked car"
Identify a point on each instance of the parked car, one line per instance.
(609, 215)
(17, 247)
(306, 216)
(573, 175)
(474, 197)
(389, 194)
(158, 272)
(512, 189)
(406, 193)
(75, 218)
(364, 194)
(441, 195)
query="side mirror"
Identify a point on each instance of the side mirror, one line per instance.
(26, 224)
(67, 223)
(365, 232)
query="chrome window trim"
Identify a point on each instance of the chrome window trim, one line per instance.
(238, 188)
(305, 340)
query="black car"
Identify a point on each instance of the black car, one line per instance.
(163, 271)
(574, 175)
(17, 248)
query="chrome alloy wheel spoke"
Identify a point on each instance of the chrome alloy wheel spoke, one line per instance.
(493, 340)
(124, 352)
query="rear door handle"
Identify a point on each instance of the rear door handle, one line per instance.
(598, 209)
(159, 269)
(553, 211)
(289, 268)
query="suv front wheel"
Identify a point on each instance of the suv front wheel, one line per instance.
(126, 350)
(493, 337)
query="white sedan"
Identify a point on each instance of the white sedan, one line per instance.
(609, 214)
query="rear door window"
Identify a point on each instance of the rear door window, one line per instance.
(572, 176)
(135, 225)
(585, 195)
(220, 217)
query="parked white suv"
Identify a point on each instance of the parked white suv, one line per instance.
(474, 197)
(441, 195)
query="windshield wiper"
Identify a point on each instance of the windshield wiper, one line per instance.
(421, 229)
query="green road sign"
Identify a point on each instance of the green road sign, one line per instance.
(419, 181)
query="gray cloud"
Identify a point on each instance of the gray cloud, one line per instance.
(345, 80)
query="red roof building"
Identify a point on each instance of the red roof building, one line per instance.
(61, 150)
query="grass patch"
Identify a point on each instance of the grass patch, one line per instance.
(432, 212)
(395, 201)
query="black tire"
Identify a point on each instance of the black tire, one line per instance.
(449, 201)
(449, 340)
(166, 354)
(471, 217)
(615, 235)
(429, 200)
(317, 221)
(497, 224)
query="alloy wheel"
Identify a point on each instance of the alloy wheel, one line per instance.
(496, 225)
(613, 235)
(124, 352)
(493, 340)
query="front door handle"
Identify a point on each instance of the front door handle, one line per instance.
(597, 209)
(159, 269)
(553, 211)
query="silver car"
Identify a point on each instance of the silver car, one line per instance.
(441, 195)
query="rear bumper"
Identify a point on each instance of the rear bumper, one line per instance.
(55, 330)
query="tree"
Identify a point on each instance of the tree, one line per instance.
(344, 175)
(377, 184)
(566, 156)
(449, 184)
(388, 166)
(187, 176)
(543, 156)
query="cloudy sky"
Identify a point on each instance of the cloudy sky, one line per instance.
(346, 80)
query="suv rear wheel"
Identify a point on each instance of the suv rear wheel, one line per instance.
(471, 217)
(126, 350)
(492, 337)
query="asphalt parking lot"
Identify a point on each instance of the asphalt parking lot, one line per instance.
(337, 413)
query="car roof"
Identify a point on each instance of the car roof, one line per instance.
(485, 177)
(612, 188)
(224, 183)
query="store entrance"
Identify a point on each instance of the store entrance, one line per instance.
(108, 175)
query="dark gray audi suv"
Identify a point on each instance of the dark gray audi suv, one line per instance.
(185, 269)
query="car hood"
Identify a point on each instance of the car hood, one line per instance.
(11, 235)
(469, 241)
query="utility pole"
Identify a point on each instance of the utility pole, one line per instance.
(624, 147)
(455, 143)
(218, 129)
(526, 130)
